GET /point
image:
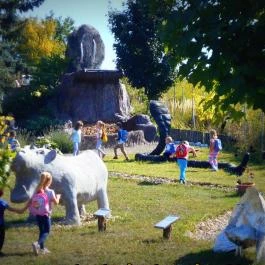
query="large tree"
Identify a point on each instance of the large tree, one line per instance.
(10, 24)
(140, 54)
(220, 44)
(42, 45)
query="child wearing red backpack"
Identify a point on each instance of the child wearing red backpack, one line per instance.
(40, 205)
(182, 154)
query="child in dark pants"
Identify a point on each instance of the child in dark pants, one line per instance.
(5, 206)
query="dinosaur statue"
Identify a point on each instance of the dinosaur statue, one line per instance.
(161, 115)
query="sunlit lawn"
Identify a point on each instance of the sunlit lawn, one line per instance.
(130, 236)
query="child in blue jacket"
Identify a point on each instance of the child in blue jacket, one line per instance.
(121, 140)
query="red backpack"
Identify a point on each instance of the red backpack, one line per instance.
(181, 151)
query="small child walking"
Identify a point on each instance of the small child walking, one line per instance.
(215, 146)
(100, 130)
(5, 206)
(13, 142)
(76, 137)
(170, 148)
(182, 154)
(43, 219)
(121, 140)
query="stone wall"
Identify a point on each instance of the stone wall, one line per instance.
(134, 138)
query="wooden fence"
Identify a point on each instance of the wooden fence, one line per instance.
(197, 136)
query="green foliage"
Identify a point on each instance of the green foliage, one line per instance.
(219, 44)
(10, 26)
(48, 63)
(55, 138)
(40, 124)
(6, 157)
(140, 54)
(138, 99)
(44, 141)
(24, 137)
(61, 139)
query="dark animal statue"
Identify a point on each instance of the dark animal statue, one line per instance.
(85, 49)
(161, 115)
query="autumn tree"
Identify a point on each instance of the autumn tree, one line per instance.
(38, 40)
(42, 45)
(10, 25)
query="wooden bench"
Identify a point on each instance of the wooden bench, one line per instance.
(165, 224)
(102, 215)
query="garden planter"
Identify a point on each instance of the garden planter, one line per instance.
(242, 187)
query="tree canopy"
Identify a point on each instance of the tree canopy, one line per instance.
(140, 54)
(10, 25)
(220, 44)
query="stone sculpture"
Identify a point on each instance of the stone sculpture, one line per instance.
(138, 122)
(79, 179)
(246, 226)
(161, 115)
(85, 49)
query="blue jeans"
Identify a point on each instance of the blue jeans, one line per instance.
(2, 236)
(44, 223)
(76, 148)
(183, 164)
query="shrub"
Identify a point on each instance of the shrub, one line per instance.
(62, 140)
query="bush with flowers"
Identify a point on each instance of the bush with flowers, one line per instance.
(6, 155)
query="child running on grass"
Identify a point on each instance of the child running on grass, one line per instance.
(182, 154)
(215, 147)
(43, 219)
(121, 140)
(5, 206)
(100, 130)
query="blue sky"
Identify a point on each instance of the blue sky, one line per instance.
(91, 12)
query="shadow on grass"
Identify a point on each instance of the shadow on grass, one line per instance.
(31, 222)
(6, 255)
(148, 183)
(209, 257)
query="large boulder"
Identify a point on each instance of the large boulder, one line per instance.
(91, 96)
(246, 226)
(85, 49)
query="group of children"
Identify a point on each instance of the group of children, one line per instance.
(181, 152)
(40, 209)
(101, 137)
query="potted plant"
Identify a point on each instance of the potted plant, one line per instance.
(242, 185)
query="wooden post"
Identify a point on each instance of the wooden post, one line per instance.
(167, 232)
(166, 225)
(102, 224)
(102, 215)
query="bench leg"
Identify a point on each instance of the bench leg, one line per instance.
(102, 224)
(167, 232)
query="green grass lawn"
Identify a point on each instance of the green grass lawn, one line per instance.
(136, 206)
